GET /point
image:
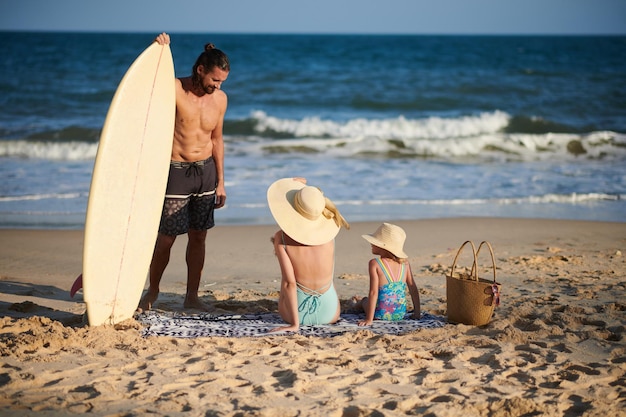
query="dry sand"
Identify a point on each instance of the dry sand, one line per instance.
(556, 345)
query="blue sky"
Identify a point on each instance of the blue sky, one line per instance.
(319, 16)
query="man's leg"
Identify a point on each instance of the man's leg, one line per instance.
(195, 263)
(160, 259)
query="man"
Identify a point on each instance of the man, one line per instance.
(196, 178)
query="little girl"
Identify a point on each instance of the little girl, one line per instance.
(390, 274)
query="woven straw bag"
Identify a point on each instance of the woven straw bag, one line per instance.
(471, 299)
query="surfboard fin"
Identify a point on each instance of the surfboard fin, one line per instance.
(78, 284)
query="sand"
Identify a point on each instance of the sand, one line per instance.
(554, 347)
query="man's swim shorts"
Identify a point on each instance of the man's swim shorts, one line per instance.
(189, 197)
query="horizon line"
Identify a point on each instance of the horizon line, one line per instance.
(230, 32)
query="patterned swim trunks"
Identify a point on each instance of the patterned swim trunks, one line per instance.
(189, 197)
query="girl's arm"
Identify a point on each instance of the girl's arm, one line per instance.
(372, 297)
(288, 302)
(415, 295)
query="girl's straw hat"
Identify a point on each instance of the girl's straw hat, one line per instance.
(303, 212)
(389, 237)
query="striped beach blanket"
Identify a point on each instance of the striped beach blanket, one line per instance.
(258, 324)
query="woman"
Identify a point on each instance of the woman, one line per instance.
(305, 249)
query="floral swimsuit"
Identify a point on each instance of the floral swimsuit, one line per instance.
(391, 304)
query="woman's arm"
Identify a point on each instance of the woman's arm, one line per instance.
(288, 301)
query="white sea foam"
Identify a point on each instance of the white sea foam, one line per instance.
(36, 197)
(573, 198)
(48, 150)
(394, 128)
(481, 136)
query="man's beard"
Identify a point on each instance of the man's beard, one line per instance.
(197, 83)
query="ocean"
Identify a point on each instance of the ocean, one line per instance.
(389, 127)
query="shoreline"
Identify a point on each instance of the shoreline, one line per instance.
(556, 345)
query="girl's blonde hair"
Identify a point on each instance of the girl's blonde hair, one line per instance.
(386, 254)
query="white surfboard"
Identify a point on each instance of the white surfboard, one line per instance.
(128, 186)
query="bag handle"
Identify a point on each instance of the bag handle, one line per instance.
(493, 259)
(473, 273)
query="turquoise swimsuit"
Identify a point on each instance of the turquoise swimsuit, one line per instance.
(316, 306)
(391, 304)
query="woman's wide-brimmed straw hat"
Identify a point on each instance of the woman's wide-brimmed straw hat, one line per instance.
(303, 212)
(389, 237)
